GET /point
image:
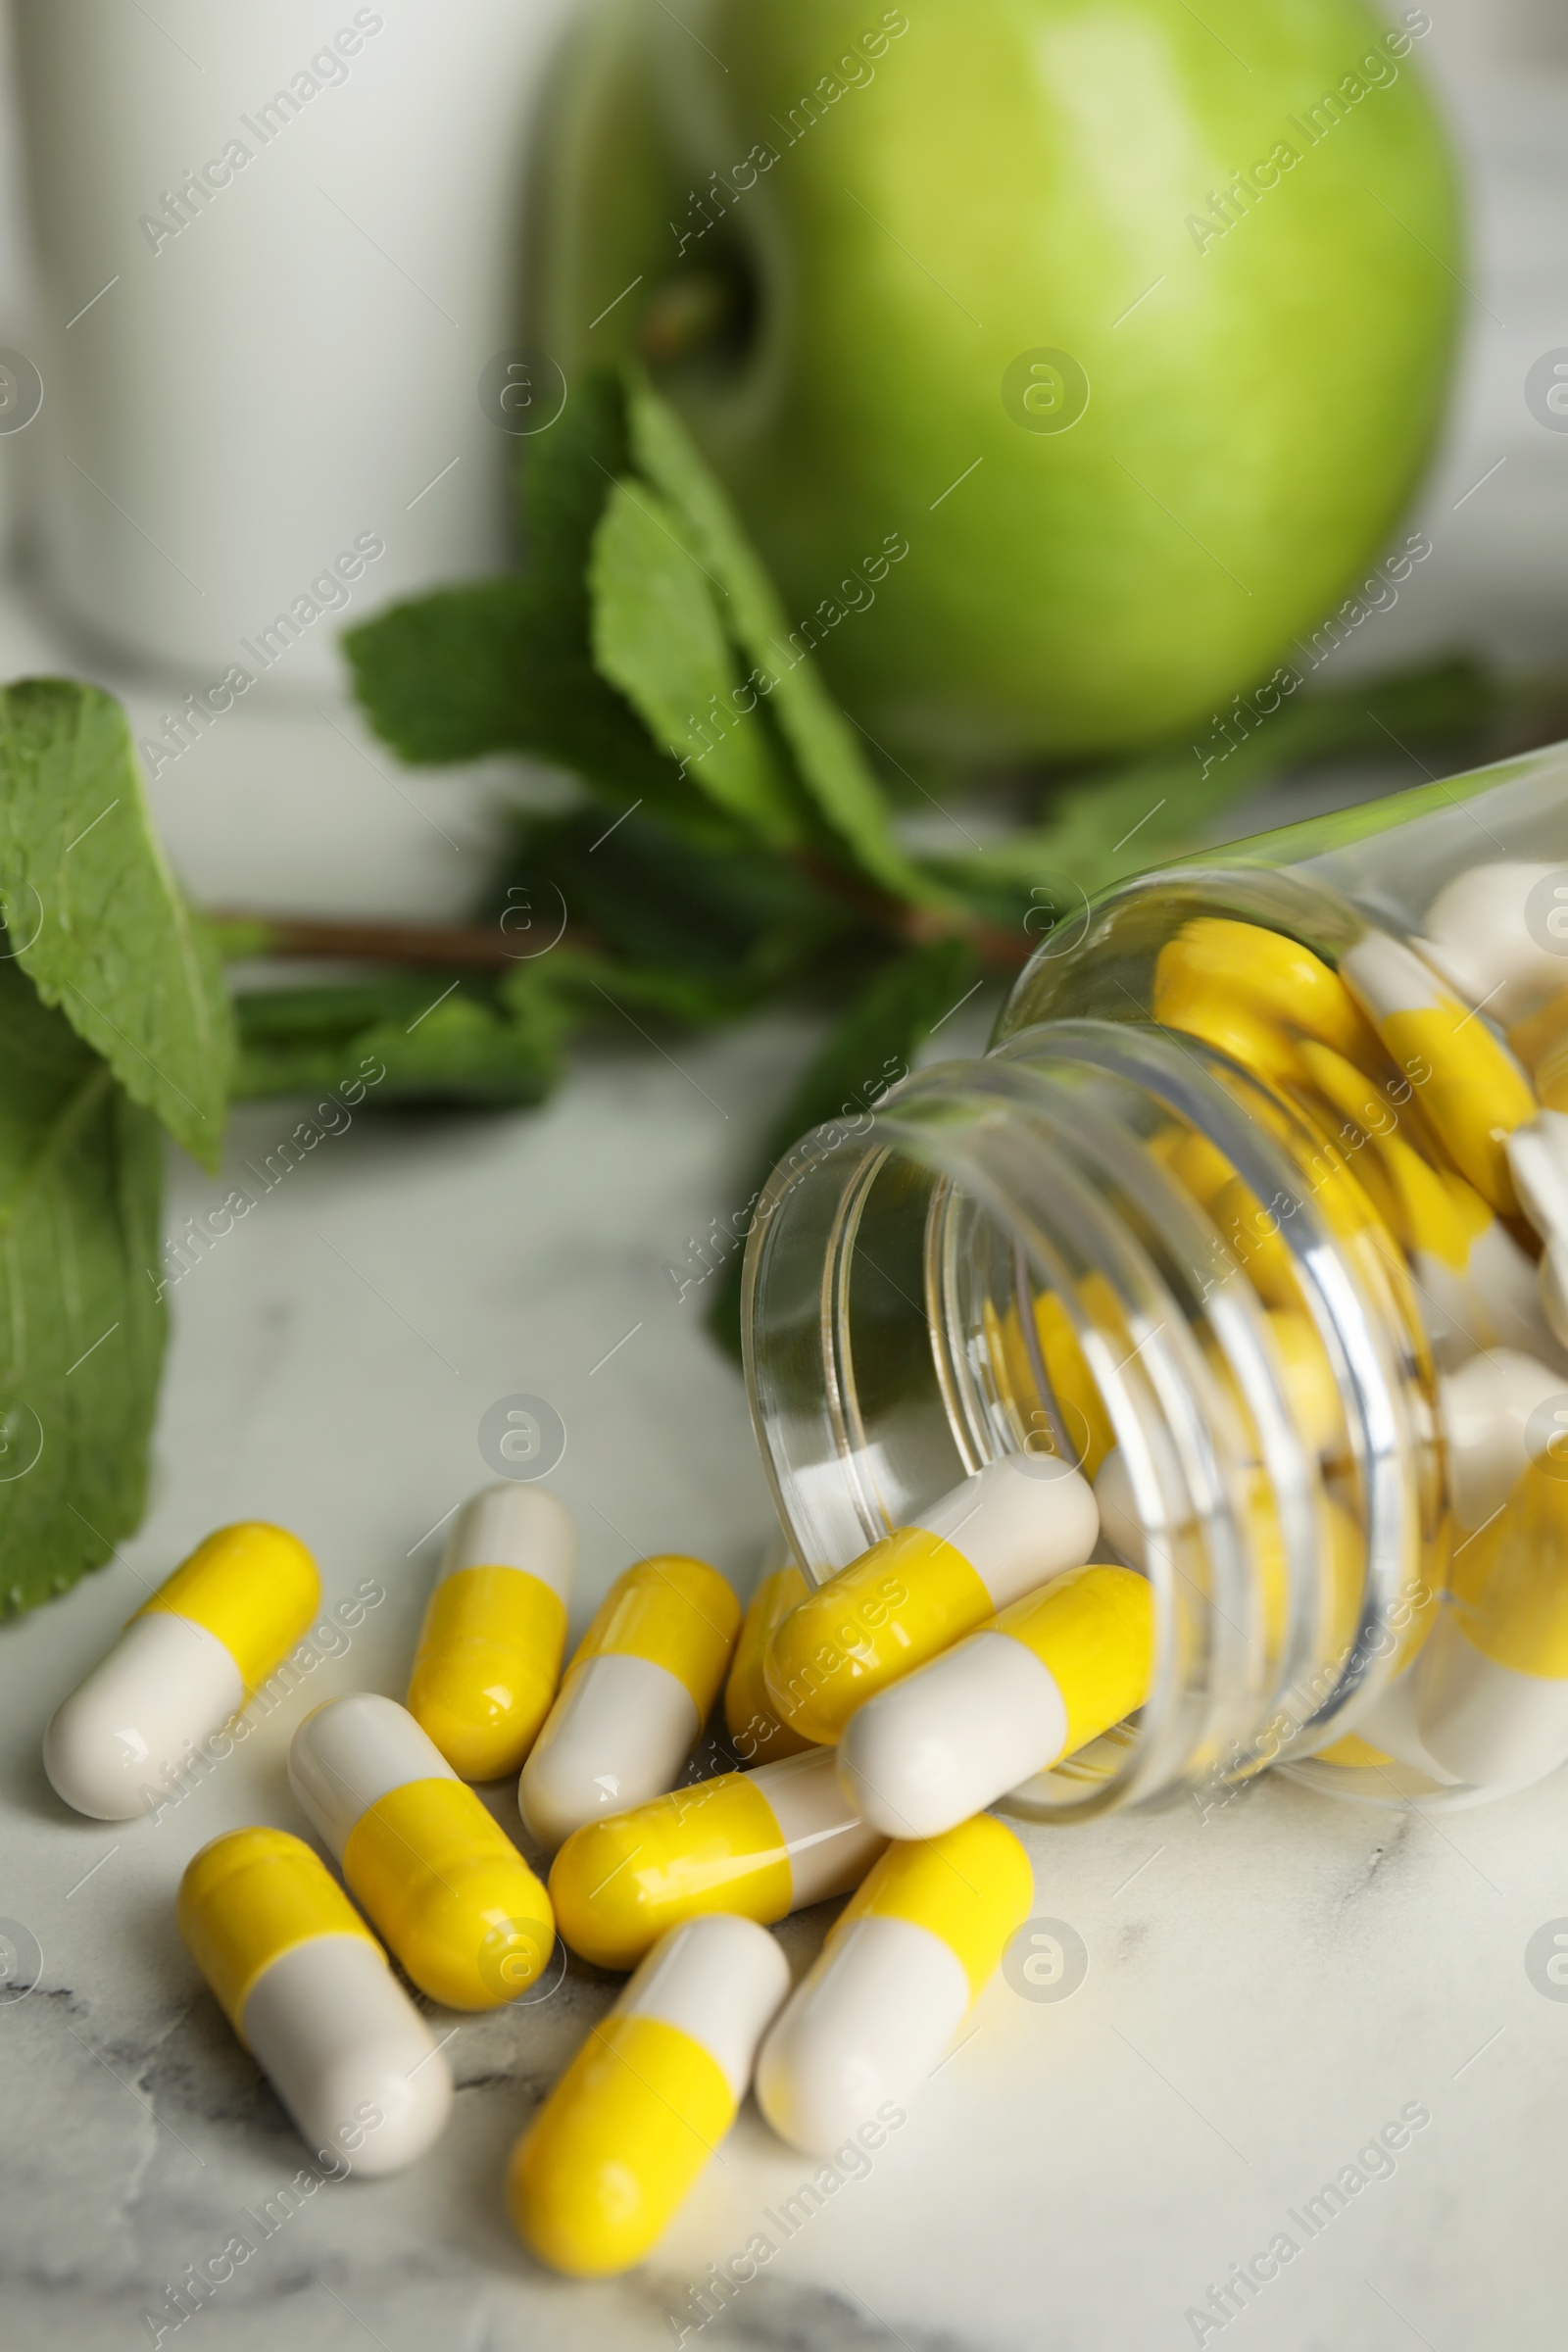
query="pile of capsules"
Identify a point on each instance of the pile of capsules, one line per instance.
(1435, 1076)
(882, 1712)
(678, 1884)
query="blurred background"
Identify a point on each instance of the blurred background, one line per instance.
(162, 506)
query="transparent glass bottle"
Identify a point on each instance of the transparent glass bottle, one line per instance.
(1114, 1233)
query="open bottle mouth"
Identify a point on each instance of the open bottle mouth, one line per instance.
(1001, 1261)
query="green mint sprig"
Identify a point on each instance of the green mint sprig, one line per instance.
(116, 1025)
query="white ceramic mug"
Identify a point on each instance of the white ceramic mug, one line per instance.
(277, 248)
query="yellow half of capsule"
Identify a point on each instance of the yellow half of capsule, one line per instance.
(487, 1668)
(1354, 1751)
(1370, 1103)
(677, 1612)
(972, 1887)
(1470, 1088)
(617, 2146)
(755, 1730)
(250, 1896)
(1423, 1599)
(1198, 1164)
(617, 1885)
(451, 1894)
(1085, 1423)
(1255, 1236)
(253, 1586)
(1308, 1378)
(1429, 1211)
(1509, 1584)
(1094, 1630)
(1224, 980)
(1428, 1208)
(907, 1599)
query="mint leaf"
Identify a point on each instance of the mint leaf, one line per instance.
(602, 656)
(96, 918)
(875, 1043)
(564, 483)
(469, 671)
(405, 1036)
(447, 677)
(832, 766)
(655, 899)
(658, 636)
(81, 1325)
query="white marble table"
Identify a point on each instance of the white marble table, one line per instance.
(1268, 1988)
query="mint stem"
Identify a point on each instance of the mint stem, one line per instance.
(333, 939)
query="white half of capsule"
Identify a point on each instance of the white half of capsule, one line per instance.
(1386, 978)
(1019, 1521)
(829, 1847)
(1477, 936)
(618, 1735)
(515, 1526)
(873, 2018)
(1494, 1301)
(1538, 1160)
(928, 1752)
(129, 1729)
(1483, 1721)
(1120, 1520)
(719, 1979)
(1485, 1411)
(349, 1754)
(1392, 1725)
(348, 2054)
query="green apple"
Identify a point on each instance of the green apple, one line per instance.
(1130, 320)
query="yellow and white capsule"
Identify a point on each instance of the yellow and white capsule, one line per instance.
(187, 1661)
(896, 1978)
(1491, 1682)
(763, 1844)
(638, 1690)
(437, 1874)
(1471, 1090)
(308, 1989)
(1474, 1286)
(621, 2140)
(1011, 1526)
(1048, 1675)
(488, 1663)
(755, 1731)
